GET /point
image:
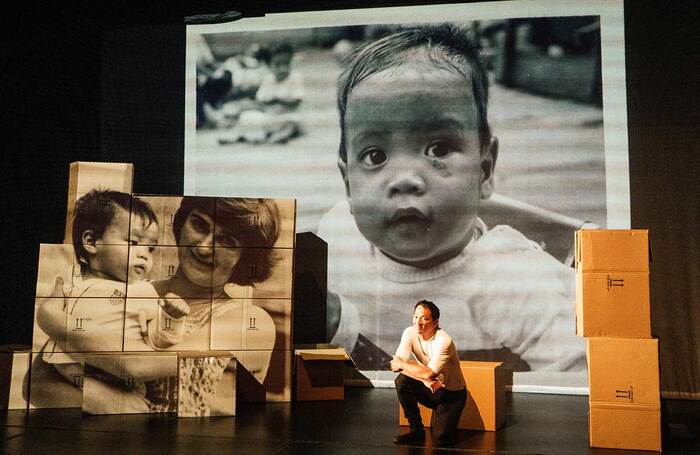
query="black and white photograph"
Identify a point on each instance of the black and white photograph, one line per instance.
(165, 208)
(264, 376)
(118, 289)
(55, 380)
(130, 383)
(206, 384)
(251, 324)
(450, 159)
(85, 176)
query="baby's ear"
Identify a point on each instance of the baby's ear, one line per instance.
(343, 166)
(489, 154)
(88, 240)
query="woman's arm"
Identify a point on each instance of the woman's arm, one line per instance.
(138, 367)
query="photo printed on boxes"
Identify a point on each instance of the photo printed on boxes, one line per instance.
(130, 383)
(206, 384)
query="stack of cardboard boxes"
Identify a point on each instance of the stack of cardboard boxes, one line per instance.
(612, 313)
(87, 331)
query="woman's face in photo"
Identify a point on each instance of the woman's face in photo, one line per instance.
(208, 252)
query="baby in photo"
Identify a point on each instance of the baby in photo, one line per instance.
(417, 156)
(273, 118)
(114, 240)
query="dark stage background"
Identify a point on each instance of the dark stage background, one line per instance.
(105, 82)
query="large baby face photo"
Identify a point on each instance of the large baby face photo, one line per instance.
(435, 160)
(414, 167)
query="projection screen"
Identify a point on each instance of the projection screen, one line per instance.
(434, 190)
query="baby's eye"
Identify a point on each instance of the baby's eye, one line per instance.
(373, 157)
(151, 249)
(133, 242)
(439, 149)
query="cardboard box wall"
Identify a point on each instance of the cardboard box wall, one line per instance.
(485, 407)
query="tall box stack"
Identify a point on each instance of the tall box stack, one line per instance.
(613, 314)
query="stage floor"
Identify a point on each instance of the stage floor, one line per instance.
(364, 423)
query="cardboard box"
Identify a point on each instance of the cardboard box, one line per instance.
(87, 175)
(112, 384)
(486, 398)
(49, 388)
(14, 383)
(70, 213)
(617, 426)
(623, 371)
(613, 304)
(320, 373)
(624, 250)
(264, 376)
(206, 384)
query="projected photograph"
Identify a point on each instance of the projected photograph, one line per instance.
(449, 160)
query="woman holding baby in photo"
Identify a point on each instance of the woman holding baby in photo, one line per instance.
(213, 268)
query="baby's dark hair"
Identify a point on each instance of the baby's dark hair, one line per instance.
(253, 222)
(448, 46)
(95, 211)
(434, 310)
(262, 54)
(281, 48)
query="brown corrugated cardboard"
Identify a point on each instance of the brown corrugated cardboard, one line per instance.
(88, 175)
(613, 304)
(625, 427)
(623, 370)
(85, 176)
(320, 373)
(485, 407)
(612, 250)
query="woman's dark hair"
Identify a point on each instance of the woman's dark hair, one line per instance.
(255, 223)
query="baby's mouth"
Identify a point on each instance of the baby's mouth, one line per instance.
(140, 269)
(410, 215)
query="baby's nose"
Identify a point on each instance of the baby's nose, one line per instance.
(406, 182)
